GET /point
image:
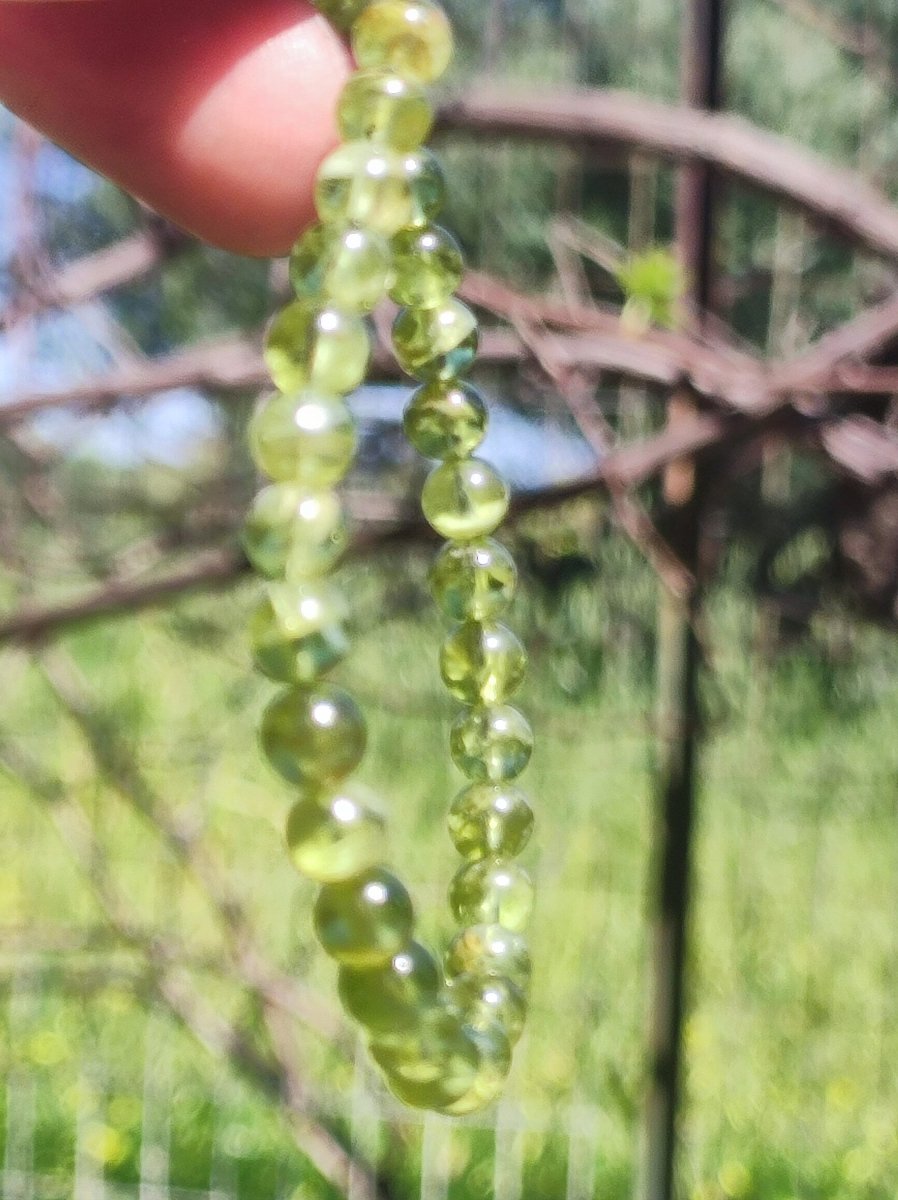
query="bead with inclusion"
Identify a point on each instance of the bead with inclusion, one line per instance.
(445, 419)
(475, 580)
(427, 266)
(298, 631)
(335, 834)
(488, 950)
(393, 997)
(317, 347)
(432, 1064)
(492, 743)
(381, 107)
(490, 1000)
(350, 268)
(365, 921)
(492, 892)
(490, 820)
(304, 437)
(313, 736)
(341, 13)
(463, 500)
(436, 343)
(482, 663)
(494, 1050)
(294, 532)
(426, 184)
(366, 185)
(411, 37)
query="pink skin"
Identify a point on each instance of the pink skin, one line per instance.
(215, 112)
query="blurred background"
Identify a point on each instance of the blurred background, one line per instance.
(690, 333)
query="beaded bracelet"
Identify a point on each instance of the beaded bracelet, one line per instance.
(441, 1037)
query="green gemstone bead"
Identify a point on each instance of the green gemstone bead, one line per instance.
(297, 632)
(492, 892)
(494, 1050)
(303, 437)
(411, 37)
(436, 343)
(491, 1001)
(313, 736)
(482, 664)
(316, 347)
(491, 744)
(341, 13)
(464, 500)
(392, 998)
(365, 185)
(490, 950)
(336, 834)
(426, 184)
(445, 419)
(488, 820)
(380, 107)
(365, 921)
(289, 531)
(350, 268)
(476, 580)
(427, 266)
(432, 1064)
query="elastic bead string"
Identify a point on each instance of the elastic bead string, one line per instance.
(442, 1036)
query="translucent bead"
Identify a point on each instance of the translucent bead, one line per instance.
(294, 532)
(411, 37)
(436, 343)
(445, 419)
(494, 1052)
(384, 108)
(297, 632)
(335, 834)
(427, 266)
(341, 13)
(482, 664)
(488, 950)
(464, 500)
(303, 437)
(426, 184)
(392, 998)
(365, 921)
(360, 184)
(433, 1064)
(350, 268)
(474, 581)
(313, 736)
(491, 1000)
(492, 892)
(316, 347)
(491, 744)
(489, 820)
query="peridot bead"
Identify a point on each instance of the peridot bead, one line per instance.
(411, 37)
(491, 743)
(491, 1000)
(492, 892)
(475, 580)
(433, 1063)
(304, 437)
(426, 184)
(427, 266)
(336, 834)
(366, 921)
(464, 500)
(298, 632)
(384, 108)
(436, 343)
(494, 1050)
(365, 185)
(392, 998)
(316, 347)
(490, 950)
(482, 663)
(341, 13)
(349, 268)
(313, 736)
(294, 532)
(490, 820)
(445, 419)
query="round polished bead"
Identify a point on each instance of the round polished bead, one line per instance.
(289, 531)
(335, 834)
(365, 921)
(427, 266)
(298, 632)
(341, 13)
(445, 419)
(384, 108)
(426, 184)
(490, 1000)
(392, 998)
(365, 185)
(491, 744)
(482, 663)
(475, 580)
(488, 820)
(494, 1050)
(316, 347)
(313, 735)
(411, 37)
(492, 892)
(304, 437)
(436, 343)
(350, 268)
(433, 1063)
(488, 950)
(464, 500)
